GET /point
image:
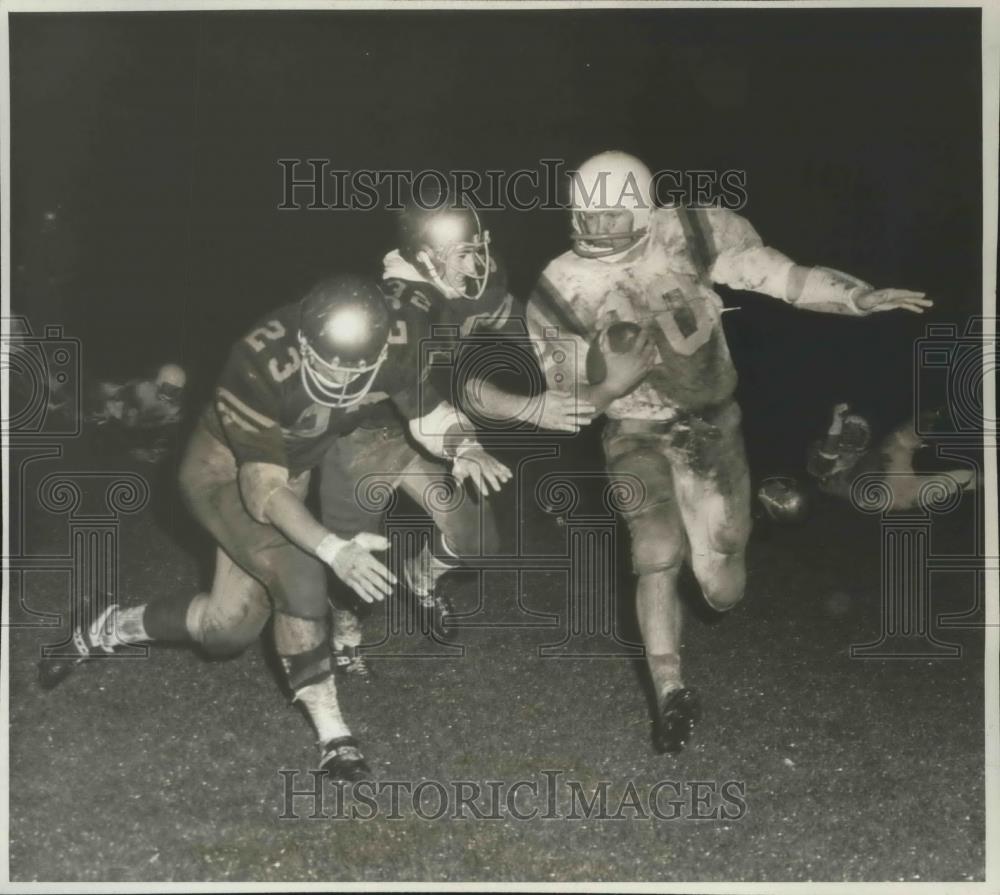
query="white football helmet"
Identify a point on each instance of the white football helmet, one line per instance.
(611, 197)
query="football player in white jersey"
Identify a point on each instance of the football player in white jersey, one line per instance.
(673, 425)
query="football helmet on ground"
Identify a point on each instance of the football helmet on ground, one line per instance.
(783, 499)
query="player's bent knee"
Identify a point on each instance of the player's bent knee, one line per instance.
(468, 531)
(225, 633)
(724, 583)
(471, 541)
(666, 565)
(657, 541)
(308, 607)
(296, 583)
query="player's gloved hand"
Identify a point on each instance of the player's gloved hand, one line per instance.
(564, 412)
(890, 299)
(628, 368)
(354, 564)
(480, 468)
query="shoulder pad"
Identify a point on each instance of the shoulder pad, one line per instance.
(409, 293)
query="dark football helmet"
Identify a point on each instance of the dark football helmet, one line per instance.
(343, 339)
(449, 246)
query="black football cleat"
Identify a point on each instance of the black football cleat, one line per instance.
(342, 759)
(88, 643)
(678, 712)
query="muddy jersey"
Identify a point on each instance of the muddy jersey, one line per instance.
(664, 284)
(263, 412)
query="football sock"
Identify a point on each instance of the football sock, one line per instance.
(320, 701)
(304, 648)
(128, 625)
(167, 619)
(665, 669)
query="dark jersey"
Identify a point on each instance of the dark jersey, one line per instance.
(490, 311)
(263, 412)
(450, 321)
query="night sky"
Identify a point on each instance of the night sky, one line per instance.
(159, 134)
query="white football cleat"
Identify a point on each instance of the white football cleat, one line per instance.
(99, 639)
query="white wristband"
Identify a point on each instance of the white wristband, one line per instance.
(329, 547)
(466, 446)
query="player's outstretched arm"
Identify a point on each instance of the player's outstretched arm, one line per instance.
(742, 261)
(832, 291)
(893, 299)
(560, 410)
(447, 434)
(351, 561)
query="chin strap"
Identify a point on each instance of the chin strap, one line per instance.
(435, 278)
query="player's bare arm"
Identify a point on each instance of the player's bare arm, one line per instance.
(445, 434)
(351, 560)
(744, 262)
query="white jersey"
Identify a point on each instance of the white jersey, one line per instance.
(664, 284)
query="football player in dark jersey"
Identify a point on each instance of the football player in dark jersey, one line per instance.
(446, 262)
(290, 388)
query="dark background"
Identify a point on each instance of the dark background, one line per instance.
(157, 135)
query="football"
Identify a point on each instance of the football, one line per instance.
(621, 337)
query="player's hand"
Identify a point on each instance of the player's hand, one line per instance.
(483, 470)
(891, 299)
(564, 412)
(354, 564)
(628, 369)
(839, 412)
